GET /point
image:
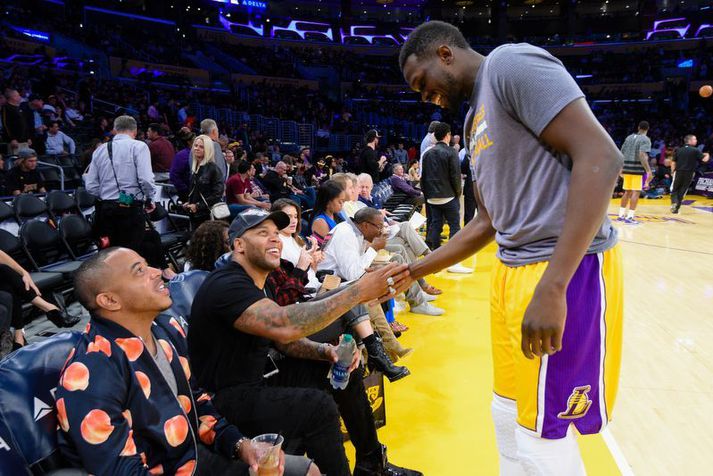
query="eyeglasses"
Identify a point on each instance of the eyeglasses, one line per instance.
(379, 227)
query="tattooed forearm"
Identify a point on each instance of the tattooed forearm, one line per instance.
(290, 323)
(303, 349)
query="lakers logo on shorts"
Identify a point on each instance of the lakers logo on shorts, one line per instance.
(578, 403)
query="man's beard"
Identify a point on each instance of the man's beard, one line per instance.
(454, 96)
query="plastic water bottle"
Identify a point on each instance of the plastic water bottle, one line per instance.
(339, 374)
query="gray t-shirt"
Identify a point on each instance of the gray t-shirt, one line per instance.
(633, 145)
(165, 367)
(523, 183)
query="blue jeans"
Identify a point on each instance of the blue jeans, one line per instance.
(235, 209)
(437, 214)
(306, 199)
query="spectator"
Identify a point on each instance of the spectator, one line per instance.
(428, 141)
(4, 191)
(456, 143)
(297, 270)
(352, 247)
(24, 176)
(15, 280)
(441, 184)
(180, 175)
(58, 143)
(208, 243)
(327, 210)
(368, 158)
(207, 182)
(414, 173)
(16, 128)
(229, 161)
(279, 185)
(162, 152)
(317, 174)
(400, 154)
(32, 110)
(210, 128)
(399, 183)
(139, 379)
(239, 190)
(120, 176)
(305, 156)
(234, 319)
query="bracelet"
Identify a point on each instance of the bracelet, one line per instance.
(238, 447)
(321, 350)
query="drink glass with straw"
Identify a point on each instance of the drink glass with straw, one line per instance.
(267, 449)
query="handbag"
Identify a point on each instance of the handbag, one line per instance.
(218, 211)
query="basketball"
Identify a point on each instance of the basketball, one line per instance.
(705, 91)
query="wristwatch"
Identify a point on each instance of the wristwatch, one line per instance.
(238, 446)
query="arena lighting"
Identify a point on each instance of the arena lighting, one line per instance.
(685, 64)
(300, 27)
(129, 15)
(260, 5)
(34, 34)
(260, 30)
(368, 36)
(705, 26)
(584, 76)
(681, 30)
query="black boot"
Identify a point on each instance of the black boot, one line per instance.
(61, 318)
(379, 360)
(377, 464)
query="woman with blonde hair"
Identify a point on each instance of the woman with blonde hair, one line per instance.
(207, 182)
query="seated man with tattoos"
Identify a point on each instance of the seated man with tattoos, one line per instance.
(235, 320)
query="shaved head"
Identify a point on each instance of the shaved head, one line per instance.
(90, 277)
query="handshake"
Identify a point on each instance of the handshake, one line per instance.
(384, 283)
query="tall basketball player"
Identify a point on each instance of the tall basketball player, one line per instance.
(544, 171)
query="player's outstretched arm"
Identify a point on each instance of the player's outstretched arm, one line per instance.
(596, 165)
(468, 241)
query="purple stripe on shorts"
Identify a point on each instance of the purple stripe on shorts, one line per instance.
(572, 382)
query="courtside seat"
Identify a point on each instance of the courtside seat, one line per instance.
(11, 245)
(46, 249)
(28, 420)
(183, 289)
(29, 207)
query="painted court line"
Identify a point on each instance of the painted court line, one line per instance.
(616, 453)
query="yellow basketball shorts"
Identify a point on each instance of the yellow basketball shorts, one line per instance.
(633, 182)
(577, 385)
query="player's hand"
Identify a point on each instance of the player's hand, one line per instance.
(543, 324)
(374, 284)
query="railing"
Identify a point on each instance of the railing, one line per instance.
(54, 166)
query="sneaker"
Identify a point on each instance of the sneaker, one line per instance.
(429, 297)
(427, 309)
(621, 219)
(632, 221)
(674, 209)
(460, 269)
(399, 306)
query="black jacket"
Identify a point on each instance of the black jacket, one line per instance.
(208, 181)
(15, 124)
(440, 177)
(276, 186)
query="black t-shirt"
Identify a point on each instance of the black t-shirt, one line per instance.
(687, 158)
(222, 356)
(370, 163)
(26, 182)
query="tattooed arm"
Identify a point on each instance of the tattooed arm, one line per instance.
(287, 324)
(305, 349)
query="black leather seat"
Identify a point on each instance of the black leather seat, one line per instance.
(59, 204)
(11, 245)
(77, 235)
(46, 249)
(28, 207)
(28, 421)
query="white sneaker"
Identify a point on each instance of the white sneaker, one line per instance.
(429, 297)
(460, 269)
(428, 309)
(399, 306)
